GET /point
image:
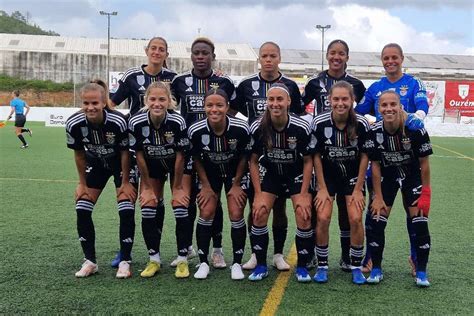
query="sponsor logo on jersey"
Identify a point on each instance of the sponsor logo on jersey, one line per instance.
(425, 147)
(232, 143)
(85, 140)
(142, 88)
(141, 80)
(378, 94)
(205, 139)
(146, 131)
(110, 137)
(291, 142)
(85, 131)
(169, 137)
(463, 90)
(146, 141)
(403, 90)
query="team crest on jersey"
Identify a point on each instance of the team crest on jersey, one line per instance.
(328, 132)
(232, 143)
(141, 80)
(110, 137)
(403, 90)
(406, 143)
(169, 137)
(291, 142)
(214, 85)
(146, 131)
(379, 138)
(85, 131)
(205, 139)
(131, 139)
(255, 87)
(313, 141)
(353, 142)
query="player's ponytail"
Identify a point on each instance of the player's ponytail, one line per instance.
(266, 128)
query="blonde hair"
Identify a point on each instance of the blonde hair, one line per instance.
(402, 114)
(102, 83)
(95, 86)
(163, 86)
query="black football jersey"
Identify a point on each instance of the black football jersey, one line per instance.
(189, 91)
(285, 157)
(340, 155)
(133, 84)
(102, 144)
(398, 155)
(220, 155)
(317, 88)
(251, 96)
(160, 145)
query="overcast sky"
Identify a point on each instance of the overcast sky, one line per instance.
(426, 26)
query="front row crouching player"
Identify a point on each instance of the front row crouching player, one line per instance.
(219, 147)
(99, 138)
(280, 161)
(340, 166)
(158, 135)
(399, 160)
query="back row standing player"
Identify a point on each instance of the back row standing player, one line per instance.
(317, 88)
(413, 98)
(189, 89)
(251, 100)
(132, 87)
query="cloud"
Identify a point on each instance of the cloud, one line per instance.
(290, 24)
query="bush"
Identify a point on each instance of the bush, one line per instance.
(8, 83)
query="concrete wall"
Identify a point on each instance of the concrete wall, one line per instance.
(78, 68)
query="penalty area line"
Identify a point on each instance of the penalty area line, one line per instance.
(276, 293)
(452, 151)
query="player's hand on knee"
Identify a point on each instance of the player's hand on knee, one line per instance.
(81, 192)
(205, 196)
(377, 207)
(303, 205)
(148, 197)
(237, 195)
(358, 199)
(180, 198)
(127, 191)
(322, 197)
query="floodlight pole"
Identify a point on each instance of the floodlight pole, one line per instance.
(322, 29)
(108, 14)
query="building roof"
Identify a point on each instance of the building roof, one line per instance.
(118, 47)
